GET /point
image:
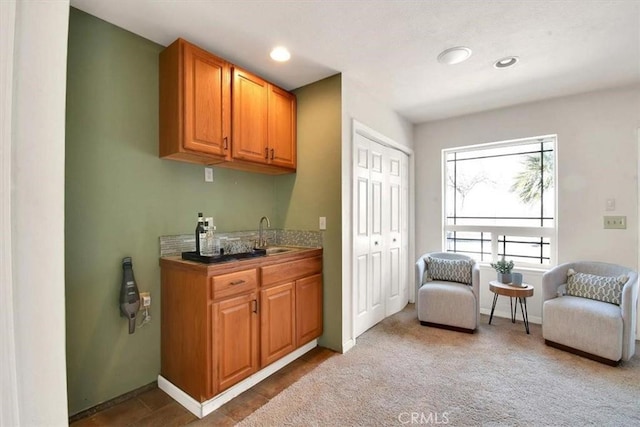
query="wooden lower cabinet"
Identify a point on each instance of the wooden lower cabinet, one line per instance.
(308, 309)
(218, 329)
(277, 322)
(236, 339)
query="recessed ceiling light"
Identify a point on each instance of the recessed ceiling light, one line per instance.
(280, 54)
(506, 62)
(454, 55)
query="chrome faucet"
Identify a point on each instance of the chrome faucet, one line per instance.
(262, 242)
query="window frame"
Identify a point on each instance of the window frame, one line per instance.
(497, 231)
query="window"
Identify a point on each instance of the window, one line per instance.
(499, 200)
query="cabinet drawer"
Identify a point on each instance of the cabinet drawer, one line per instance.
(234, 283)
(286, 271)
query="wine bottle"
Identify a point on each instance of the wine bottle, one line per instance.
(199, 229)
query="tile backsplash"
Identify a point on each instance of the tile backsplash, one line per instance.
(242, 241)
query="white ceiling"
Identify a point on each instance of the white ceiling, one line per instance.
(389, 47)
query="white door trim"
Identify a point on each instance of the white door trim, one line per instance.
(364, 130)
(9, 409)
(638, 214)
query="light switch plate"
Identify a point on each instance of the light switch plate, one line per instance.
(323, 223)
(610, 205)
(615, 222)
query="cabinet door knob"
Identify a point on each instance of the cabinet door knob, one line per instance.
(226, 143)
(266, 153)
(272, 152)
(255, 305)
(394, 239)
(375, 243)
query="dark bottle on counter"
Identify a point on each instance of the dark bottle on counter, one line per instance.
(199, 230)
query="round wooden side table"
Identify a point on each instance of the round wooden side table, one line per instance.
(520, 293)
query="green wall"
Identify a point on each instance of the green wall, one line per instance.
(316, 190)
(119, 198)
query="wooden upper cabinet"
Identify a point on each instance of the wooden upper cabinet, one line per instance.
(195, 105)
(250, 103)
(214, 113)
(282, 128)
(264, 123)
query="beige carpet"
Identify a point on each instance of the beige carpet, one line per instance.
(401, 373)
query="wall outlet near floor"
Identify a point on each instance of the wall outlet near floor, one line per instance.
(615, 222)
(145, 300)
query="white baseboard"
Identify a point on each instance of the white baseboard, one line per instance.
(346, 346)
(180, 396)
(532, 319)
(202, 409)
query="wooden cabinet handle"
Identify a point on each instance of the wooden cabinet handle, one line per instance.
(266, 153)
(226, 143)
(272, 151)
(237, 282)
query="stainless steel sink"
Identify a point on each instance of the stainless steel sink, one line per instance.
(278, 250)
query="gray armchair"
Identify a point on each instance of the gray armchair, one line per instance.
(448, 304)
(598, 330)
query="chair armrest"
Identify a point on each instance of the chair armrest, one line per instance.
(629, 315)
(475, 280)
(629, 299)
(552, 279)
(421, 267)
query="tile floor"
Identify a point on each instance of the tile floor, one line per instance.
(154, 407)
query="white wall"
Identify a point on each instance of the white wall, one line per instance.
(9, 410)
(37, 210)
(597, 160)
(361, 105)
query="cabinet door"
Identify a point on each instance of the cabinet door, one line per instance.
(236, 338)
(207, 101)
(282, 128)
(308, 308)
(277, 322)
(249, 117)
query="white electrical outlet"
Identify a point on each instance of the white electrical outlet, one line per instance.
(208, 174)
(145, 300)
(323, 223)
(617, 222)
